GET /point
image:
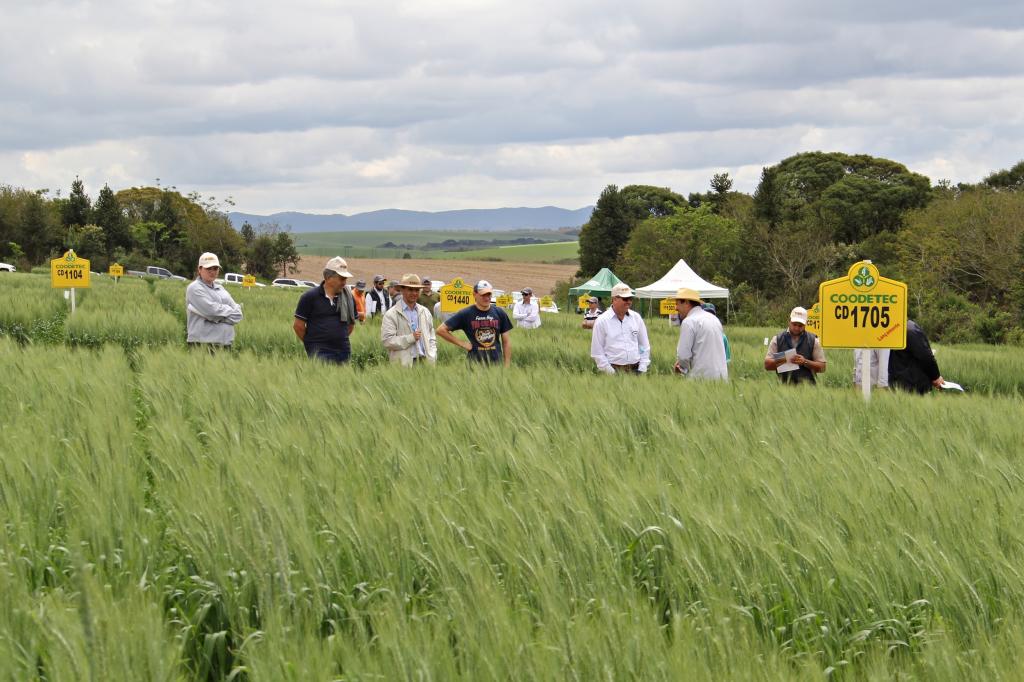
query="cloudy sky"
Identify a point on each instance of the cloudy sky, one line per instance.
(336, 106)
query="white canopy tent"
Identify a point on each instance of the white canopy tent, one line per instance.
(682, 276)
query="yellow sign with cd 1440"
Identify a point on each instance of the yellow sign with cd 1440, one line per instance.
(69, 272)
(455, 296)
(863, 310)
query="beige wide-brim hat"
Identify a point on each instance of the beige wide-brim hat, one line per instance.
(411, 281)
(688, 295)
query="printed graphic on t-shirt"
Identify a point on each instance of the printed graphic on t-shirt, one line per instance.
(485, 336)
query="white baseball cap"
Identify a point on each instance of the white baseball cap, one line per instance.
(209, 260)
(798, 314)
(622, 290)
(339, 266)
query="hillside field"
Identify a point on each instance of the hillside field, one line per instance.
(368, 245)
(170, 515)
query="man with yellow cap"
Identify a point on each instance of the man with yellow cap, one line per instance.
(701, 350)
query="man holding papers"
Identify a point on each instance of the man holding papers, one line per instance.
(796, 354)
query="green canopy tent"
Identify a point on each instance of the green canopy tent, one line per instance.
(599, 285)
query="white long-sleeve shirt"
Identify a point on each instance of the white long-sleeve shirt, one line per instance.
(701, 350)
(526, 315)
(620, 342)
(211, 313)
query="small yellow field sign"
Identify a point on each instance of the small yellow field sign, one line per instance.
(116, 271)
(455, 296)
(249, 281)
(505, 301)
(667, 306)
(69, 272)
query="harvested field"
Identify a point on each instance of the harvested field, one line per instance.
(503, 275)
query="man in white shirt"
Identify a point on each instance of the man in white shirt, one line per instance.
(620, 342)
(701, 351)
(378, 300)
(526, 312)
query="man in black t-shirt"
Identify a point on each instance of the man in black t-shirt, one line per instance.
(486, 326)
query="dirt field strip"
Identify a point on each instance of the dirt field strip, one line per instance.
(503, 275)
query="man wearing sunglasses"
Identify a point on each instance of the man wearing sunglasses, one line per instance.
(619, 343)
(211, 313)
(486, 327)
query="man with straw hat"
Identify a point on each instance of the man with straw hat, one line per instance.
(407, 329)
(701, 351)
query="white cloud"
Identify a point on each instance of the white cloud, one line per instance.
(347, 106)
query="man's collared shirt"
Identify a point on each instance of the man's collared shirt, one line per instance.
(412, 315)
(620, 342)
(701, 349)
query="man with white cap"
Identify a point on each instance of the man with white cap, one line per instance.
(407, 329)
(486, 326)
(326, 315)
(211, 314)
(701, 350)
(526, 312)
(619, 342)
(809, 358)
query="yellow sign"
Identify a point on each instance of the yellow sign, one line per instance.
(456, 295)
(667, 306)
(583, 303)
(814, 320)
(249, 281)
(863, 310)
(116, 270)
(547, 302)
(69, 272)
(505, 301)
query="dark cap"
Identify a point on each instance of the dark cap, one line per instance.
(527, 291)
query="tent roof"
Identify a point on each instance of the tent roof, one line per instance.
(681, 276)
(599, 284)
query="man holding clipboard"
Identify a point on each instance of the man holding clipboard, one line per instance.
(795, 354)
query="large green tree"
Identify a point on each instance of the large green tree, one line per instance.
(1011, 179)
(849, 197)
(616, 214)
(108, 215)
(77, 210)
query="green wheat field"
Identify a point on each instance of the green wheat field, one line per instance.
(170, 515)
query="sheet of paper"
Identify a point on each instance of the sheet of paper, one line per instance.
(788, 365)
(951, 386)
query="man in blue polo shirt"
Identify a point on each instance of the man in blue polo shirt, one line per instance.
(325, 315)
(486, 327)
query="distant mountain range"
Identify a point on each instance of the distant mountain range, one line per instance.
(547, 217)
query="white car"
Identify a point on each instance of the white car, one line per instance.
(235, 278)
(7, 267)
(288, 283)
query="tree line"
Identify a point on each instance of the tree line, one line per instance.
(959, 248)
(137, 227)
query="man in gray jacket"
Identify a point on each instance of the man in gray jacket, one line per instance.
(210, 311)
(407, 328)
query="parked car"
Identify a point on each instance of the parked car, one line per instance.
(288, 283)
(7, 267)
(162, 273)
(235, 278)
(311, 285)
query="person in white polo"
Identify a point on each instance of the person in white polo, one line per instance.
(619, 342)
(526, 312)
(211, 314)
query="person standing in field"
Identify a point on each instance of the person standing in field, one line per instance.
(485, 325)
(710, 307)
(809, 358)
(210, 312)
(427, 296)
(701, 350)
(879, 359)
(378, 301)
(326, 315)
(592, 312)
(619, 342)
(359, 296)
(914, 368)
(407, 329)
(526, 312)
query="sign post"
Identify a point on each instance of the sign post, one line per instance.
(116, 271)
(249, 281)
(863, 310)
(455, 296)
(69, 272)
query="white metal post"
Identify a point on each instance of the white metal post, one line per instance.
(865, 373)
